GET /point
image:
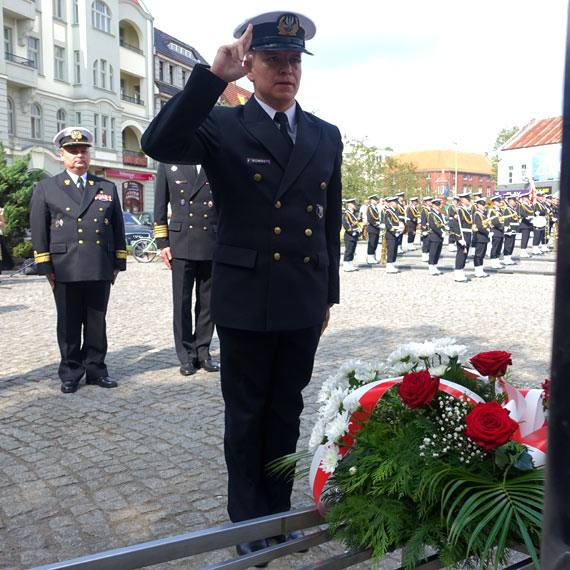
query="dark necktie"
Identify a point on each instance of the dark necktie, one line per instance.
(281, 119)
(80, 185)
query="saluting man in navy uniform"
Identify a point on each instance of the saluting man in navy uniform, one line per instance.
(275, 174)
(79, 245)
(187, 247)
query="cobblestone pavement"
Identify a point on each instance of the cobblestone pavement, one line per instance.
(100, 469)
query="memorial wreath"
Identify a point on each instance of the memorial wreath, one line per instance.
(420, 452)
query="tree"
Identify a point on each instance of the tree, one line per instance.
(368, 169)
(16, 188)
(503, 136)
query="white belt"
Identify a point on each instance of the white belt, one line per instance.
(465, 230)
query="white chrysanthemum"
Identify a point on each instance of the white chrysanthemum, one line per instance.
(401, 368)
(317, 435)
(332, 407)
(331, 384)
(337, 427)
(366, 373)
(453, 350)
(443, 341)
(426, 350)
(348, 367)
(400, 354)
(331, 457)
(438, 370)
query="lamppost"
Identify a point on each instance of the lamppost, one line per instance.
(455, 185)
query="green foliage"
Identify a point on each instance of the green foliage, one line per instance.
(16, 189)
(503, 136)
(23, 250)
(367, 170)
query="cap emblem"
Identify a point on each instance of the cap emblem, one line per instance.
(288, 25)
(76, 135)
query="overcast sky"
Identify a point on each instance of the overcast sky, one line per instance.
(409, 74)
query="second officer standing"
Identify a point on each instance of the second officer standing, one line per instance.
(187, 247)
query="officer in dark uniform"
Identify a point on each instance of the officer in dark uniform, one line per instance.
(497, 222)
(426, 209)
(525, 212)
(187, 246)
(393, 232)
(436, 227)
(276, 178)
(79, 245)
(464, 233)
(373, 220)
(511, 221)
(401, 210)
(453, 224)
(413, 216)
(480, 226)
(476, 196)
(539, 230)
(351, 233)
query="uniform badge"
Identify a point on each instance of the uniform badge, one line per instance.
(182, 202)
(75, 135)
(106, 221)
(288, 25)
(174, 168)
(103, 197)
(67, 182)
(58, 223)
(181, 181)
(320, 211)
(91, 183)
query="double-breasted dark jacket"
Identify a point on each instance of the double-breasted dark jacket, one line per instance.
(191, 231)
(277, 255)
(77, 237)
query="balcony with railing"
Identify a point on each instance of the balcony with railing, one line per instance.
(134, 158)
(131, 47)
(20, 71)
(20, 60)
(136, 100)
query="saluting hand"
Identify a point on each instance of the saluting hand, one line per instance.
(229, 63)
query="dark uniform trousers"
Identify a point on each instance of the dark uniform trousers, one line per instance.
(463, 251)
(391, 247)
(276, 266)
(81, 239)
(191, 236)
(509, 244)
(412, 226)
(350, 243)
(497, 244)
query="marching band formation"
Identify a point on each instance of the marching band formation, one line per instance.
(469, 223)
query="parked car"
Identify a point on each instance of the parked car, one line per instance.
(134, 230)
(146, 218)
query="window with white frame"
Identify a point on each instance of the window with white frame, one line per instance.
(112, 134)
(104, 134)
(95, 72)
(59, 63)
(59, 9)
(76, 67)
(76, 11)
(8, 42)
(101, 16)
(60, 120)
(77, 117)
(33, 51)
(95, 129)
(36, 121)
(103, 74)
(11, 118)
(111, 78)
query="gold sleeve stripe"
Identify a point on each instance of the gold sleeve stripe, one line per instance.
(160, 231)
(41, 257)
(121, 254)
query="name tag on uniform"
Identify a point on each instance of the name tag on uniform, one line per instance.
(258, 161)
(181, 181)
(103, 197)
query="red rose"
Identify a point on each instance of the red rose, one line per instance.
(546, 390)
(493, 363)
(418, 388)
(490, 425)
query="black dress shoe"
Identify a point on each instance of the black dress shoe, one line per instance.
(253, 546)
(188, 369)
(68, 387)
(103, 381)
(208, 365)
(293, 535)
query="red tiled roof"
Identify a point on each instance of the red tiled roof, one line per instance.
(235, 95)
(436, 160)
(536, 133)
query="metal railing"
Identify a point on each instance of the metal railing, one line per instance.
(131, 47)
(200, 542)
(135, 100)
(21, 60)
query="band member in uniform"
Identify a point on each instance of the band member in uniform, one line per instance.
(436, 225)
(413, 217)
(394, 230)
(426, 208)
(476, 196)
(276, 178)
(496, 219)
(351, 233)
(525, 212)
(79, 245)
(187, 246)
(511, 227)
(362, 211)
(453, 223)
(552, 218)
(539, 231)
(373, 224)
(401, 210)
(480, 228)
(464, 234)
